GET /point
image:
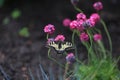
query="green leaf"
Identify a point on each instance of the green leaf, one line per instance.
(16, 14)
(24, 32)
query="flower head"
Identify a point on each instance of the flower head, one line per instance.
(95, 17)
(97, 37)
(66, 22)
(60, 38)
(80, 27)
(73, 24)
(81, 16)
(49, 29)
(88, 23)
(84, 37)
(50, 40)
(70, 58)
(98, 6)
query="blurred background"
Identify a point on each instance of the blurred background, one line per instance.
(22, 40)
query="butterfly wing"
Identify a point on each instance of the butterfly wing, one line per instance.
(61, 46)
(53, 45)
(67, 45)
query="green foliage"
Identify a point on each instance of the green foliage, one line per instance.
(6, 21)
(16, 14)
(101, 70)
(2, 3)
(24, 32)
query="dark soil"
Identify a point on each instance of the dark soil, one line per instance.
(18, 54)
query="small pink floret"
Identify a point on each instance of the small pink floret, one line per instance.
(49, 29)
(73, 24)
(81, 16)
(84, 37)
(98, 5)
(95, 17)
(60, 38)
(70, 58)
(80, 27)
(66, 22)
(97, 37)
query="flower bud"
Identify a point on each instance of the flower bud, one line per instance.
(97, 37)
(84, 37)
(70, 58)
(66, 22)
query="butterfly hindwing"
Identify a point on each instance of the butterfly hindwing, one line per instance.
(60, 47)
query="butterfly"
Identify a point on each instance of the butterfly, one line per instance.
(60, 47)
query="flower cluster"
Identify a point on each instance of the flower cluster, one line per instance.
(49, 29)
(82, 23)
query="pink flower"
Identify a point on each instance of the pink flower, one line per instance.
(49, 29)
(98, 6)
(60, 38)
(66, 22)
(50, 40)
(73, 24)
(70, 58)
(84, 37)
(81, 16)
(88, 23)
(95, 17)
(97, 37)
(80, 27)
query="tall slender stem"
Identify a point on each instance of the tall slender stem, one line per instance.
(73, 37)
(53, 58)
(47, 36)
(108, 35)
(90, 50)
(78, 9)
(66, 70)
(102, 49)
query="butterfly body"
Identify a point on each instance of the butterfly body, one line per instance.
(60, 47)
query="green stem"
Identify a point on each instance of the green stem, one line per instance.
(54, 59)
(47, 36)
(78, 9)
(73, 37)
(90, 50)
(66, 70)
(102, 49)
(108, 35)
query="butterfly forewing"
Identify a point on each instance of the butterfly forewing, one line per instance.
(60, 47)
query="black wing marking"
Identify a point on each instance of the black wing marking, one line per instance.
(60, 47)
